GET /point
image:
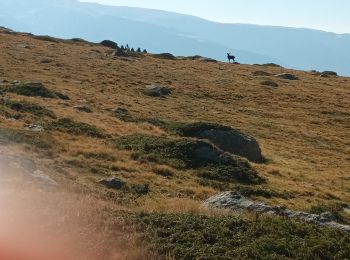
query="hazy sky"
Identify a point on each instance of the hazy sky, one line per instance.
(329, 15)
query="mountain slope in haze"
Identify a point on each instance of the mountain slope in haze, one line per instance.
(161, 31)
(68, 19)
(81, 115)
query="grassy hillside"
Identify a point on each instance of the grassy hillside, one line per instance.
(99, 123)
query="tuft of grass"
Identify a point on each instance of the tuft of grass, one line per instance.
(70, 126)
(249, 191)
(184, 153)
(35, 89)
(186, 236)
(163, 170)
(239, 171)
(193, 129)
(27, 107)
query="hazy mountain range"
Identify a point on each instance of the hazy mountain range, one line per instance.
(160, 31)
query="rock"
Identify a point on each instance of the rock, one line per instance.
(261, 73)
(329, 73)
(121, 112)
(156, 91)
(269, 83)
(232, 141)
(236, 202)
(287, 76)
(34, 128)
(46, 61)
(226, 138)
(83, 108)
(109, 44)
(112, 183)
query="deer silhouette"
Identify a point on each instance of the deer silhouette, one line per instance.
(230, 57)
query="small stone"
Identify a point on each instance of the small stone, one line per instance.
(156, 91)
(83, 108)
(34, 128)
(112, 183)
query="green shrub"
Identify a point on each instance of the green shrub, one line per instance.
(249, 191)
(231, 173)
(38, 140)
(185, 236)
(34, 89)
(184, 153)
(70, 126)
(193, 129)
(27, 107)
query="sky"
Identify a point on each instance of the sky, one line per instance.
(328, 15)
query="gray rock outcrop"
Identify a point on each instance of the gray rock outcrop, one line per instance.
(236, 202)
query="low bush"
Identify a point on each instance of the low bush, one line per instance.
(27, 107)
(166, 56)
(185, 236)
(184, 153)
(38, 140)
(34, 89)
(70, 126)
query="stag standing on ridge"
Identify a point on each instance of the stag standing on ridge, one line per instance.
(231, 57)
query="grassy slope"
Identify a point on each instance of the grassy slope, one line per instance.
(302, 126)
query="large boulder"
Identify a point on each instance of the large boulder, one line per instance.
(156, 91)
(329, 73)
(226, 138)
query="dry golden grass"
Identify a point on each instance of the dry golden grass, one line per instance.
(302, 126)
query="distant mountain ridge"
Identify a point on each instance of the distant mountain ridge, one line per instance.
(161, 31)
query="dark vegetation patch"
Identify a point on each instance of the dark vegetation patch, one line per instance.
(70, 126)
(27, 107)
(47, 38)
(38, 140)
(185, 236)
(193, 129)
(272, 65)
(166, 56)
(237, 171)
(109, 44)
(208, 161)
(249, 191)
(34, 89)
